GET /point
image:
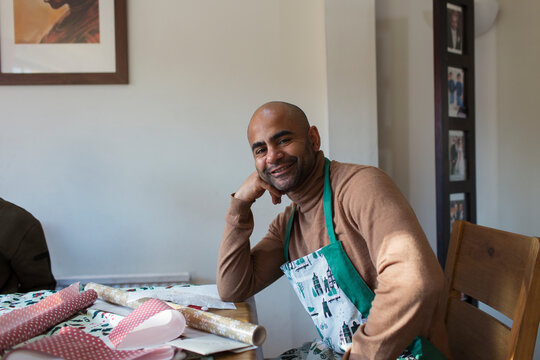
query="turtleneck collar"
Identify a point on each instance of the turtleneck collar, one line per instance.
(310, 192)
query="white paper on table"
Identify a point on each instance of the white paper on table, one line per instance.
(251, 347)
(203, 343)
(198, 295)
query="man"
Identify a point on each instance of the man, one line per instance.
(451, 88)
(453, 155)
(454, 35)
(386, 268)
(459, 91)
(460, 212)
(24, 257)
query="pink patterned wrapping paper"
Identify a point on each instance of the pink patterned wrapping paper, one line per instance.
(136, 318)
(74, 344)
(22, 324)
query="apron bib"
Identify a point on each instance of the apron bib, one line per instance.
(333, 293)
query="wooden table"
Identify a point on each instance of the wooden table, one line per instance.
(245, 311)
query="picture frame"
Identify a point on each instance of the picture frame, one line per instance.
(456, 93)
(457, 208)
(451, 176)
(33, 61)
(454, 26)
(457, 155)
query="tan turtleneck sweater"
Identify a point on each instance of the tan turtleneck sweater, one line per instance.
(382, 238)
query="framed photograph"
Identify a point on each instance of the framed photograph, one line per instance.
(458, 208)
(63, 42)
(456, 93)
(457, 155)
(454, 28)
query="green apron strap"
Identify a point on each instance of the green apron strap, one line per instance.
(288, 234)
(327, 203)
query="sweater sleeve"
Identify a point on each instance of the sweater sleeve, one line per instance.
(242, 271)
(409, 278)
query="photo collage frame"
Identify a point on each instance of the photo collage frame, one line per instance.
(453, 24)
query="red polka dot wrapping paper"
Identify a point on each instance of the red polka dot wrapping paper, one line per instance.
(72, 343)
(22, 324)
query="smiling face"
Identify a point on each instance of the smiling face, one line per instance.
(283, 144)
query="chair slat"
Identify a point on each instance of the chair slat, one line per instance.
(475, 335)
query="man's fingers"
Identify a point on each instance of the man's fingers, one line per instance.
(254, 187)
(251, 189)
(274, 193)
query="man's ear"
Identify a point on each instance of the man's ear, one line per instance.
(314, 138)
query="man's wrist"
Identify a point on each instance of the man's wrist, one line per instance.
(241, 200)
(242, 197)
(239, 211)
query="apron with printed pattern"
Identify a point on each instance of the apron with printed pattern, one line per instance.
(333, 293)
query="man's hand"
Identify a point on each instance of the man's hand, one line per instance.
(254, 187)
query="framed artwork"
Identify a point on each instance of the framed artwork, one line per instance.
(456, 92)
(454, 32)
(458, 208)
(457, 156)
(63, 42)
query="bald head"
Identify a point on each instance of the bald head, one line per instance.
(290, 114)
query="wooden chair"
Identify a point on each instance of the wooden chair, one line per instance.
(501, 270)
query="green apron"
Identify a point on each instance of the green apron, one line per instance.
(334, 294)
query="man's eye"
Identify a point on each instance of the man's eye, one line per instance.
(259, 151)
(284, 141)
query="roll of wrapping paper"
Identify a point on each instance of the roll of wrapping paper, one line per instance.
(220, 325)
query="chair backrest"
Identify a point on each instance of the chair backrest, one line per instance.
(502, 270)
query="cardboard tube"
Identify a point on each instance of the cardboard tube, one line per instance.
(216, 324)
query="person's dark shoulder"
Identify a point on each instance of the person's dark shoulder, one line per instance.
(16, 212)
(14, 220)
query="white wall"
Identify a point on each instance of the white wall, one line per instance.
(405, 104)
(518, 119)
(142, 172)
(351, 65)
(135, 179)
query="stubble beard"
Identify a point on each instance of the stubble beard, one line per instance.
(294, 180)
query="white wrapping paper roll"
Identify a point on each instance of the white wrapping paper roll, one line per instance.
(197, 319)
